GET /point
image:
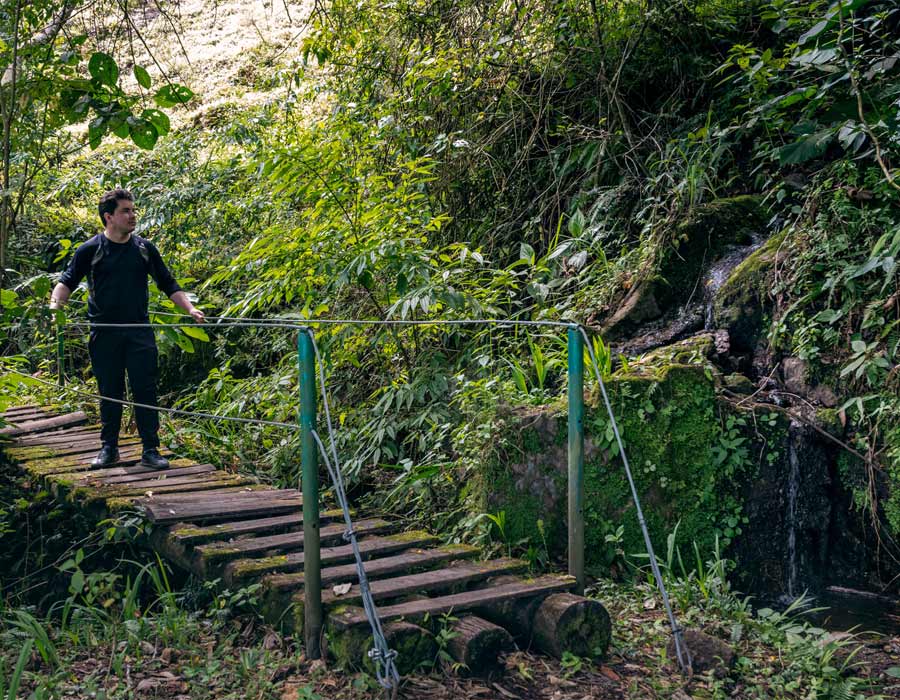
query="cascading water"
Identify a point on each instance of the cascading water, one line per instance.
(793, 488)
(719, 272)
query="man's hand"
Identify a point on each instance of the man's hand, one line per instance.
(197, 315)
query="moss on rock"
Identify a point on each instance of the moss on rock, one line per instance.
(669, 420)
(740, 303)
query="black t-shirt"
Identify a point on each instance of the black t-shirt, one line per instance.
(118, 280)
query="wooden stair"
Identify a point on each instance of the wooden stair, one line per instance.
(221, 525)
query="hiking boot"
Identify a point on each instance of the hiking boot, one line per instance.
(107, 455)
(153, 459)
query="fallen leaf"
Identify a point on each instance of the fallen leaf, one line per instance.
(609, 673)
(342, 588)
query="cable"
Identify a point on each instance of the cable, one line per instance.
(162, 409)
(385, 668)
(681, 650)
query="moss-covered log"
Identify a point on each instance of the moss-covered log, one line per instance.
(415, 646)
(477, 644)
(567, 622)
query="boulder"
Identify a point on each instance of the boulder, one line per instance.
(708, 653)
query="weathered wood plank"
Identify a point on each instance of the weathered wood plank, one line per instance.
(58, 436)
(193, 485)
(241, 505)
(85, 448)
(243, 570)
(135, 471)
(458, 602)
(212, 558)
(45, 424)
(147, 474)
(64, 468)
(451, 578)
(191, 535)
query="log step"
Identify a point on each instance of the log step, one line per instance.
(459, 602)
(241, 571)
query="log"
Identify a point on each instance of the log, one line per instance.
(414, 645)
(567, 622)
(477, 645)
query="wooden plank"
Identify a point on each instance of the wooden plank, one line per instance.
(43, 425)
(242, 505)
(408, 560)
(25, 415)
(65, 467)
(242, 570)
(128, 470)
(458, 602)
(211, 558)
(77, 449)
(188, 484)
(59, 436)
(190, 535)
(145, 474)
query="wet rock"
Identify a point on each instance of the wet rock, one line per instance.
(677, 279)
(738, 383)
(708, 653)
(741, 303)
(796, 375)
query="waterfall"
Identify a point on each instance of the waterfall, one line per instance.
(793, 487)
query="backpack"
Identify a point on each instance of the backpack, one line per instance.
(103, 251)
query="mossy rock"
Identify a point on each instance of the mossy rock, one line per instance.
(695, 243)
(670, 422)
(741, 303)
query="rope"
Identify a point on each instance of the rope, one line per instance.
(681, 650)
(162, 409)
(385, 669)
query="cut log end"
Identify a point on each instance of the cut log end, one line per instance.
(567, 622)
(477, 645)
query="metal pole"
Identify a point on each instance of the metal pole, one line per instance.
(312, 573)
(576, 458)
(60, 348)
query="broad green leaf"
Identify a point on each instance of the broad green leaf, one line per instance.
(816, 29)
(196, 332)
(96, 132)
(172, 95)
(103, 68)
(7, 297)
(805, 148)
(142, 77)
(158, 119)
(143, 133)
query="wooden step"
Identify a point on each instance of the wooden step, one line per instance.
(147, 474)
(26, 415)
(75, 449)
(44, 424)
(71, 466)
(64, 436)
(241, 571)
(189, 535)
(243, 505)
(211, 558)
(192, 484)
(525, 588)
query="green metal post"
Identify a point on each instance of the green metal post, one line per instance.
(576, 457)
(60, 349)
(312, 570)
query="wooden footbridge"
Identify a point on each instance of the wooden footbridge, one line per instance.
(227, 527)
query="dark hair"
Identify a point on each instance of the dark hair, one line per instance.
(110, 200)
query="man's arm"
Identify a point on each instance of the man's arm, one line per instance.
(59, 296)
(181, 299)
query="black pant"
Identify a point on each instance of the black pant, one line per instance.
(113, 352)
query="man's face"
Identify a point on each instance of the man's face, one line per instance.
(123, 219)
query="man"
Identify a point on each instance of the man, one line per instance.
(117, 263)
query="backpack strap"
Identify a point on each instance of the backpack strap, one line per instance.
(103, 249)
